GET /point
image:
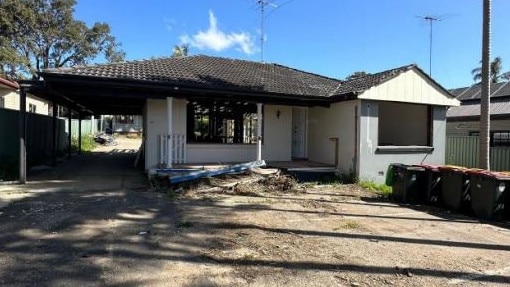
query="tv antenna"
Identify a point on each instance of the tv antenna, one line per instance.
(431, 20)
(262, 6)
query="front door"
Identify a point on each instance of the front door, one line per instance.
(299, 117)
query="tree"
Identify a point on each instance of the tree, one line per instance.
(484, 160)
(180, 51)
(356, 75)
(40, 34)
(496, 66)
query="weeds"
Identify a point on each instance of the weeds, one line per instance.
(381, 189)
(87, 143)
(349, 225)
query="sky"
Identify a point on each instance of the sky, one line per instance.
(333, 38)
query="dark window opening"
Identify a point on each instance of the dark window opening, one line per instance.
(497, 138)
(221, 122)
(403, 124)
(123, 119)
(32, 108)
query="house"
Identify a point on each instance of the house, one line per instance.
(9, 98)
(464, 120)
(209, 109)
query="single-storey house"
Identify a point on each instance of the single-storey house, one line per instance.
(9, 98)
(215, 110)
(464, 120)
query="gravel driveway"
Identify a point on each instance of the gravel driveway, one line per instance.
(95, 221)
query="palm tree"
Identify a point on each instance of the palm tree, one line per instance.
(180, 51)
(486, 74)
(496, 67)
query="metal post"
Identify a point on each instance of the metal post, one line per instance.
(54, 133)
(259, 131)
(169, 107)
(69, 130)
(79, 133)
(22, 136)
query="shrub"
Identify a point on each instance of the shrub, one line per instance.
(87, 143)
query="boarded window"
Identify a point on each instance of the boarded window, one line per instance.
(402, 124)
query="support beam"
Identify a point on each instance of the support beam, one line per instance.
(169, 153)
(79, 133)
(54, 133)
(259, 131)
(69, 130)
(22, 136)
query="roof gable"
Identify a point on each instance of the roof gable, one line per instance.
(410, 85)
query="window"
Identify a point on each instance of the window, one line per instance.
(32, 108)
(123, 119)
(497, 138)
(222, 122)
(2, 102)
(402, 124)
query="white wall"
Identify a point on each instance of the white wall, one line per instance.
(11, 101)
(277, 141)
(338, 121)
(374, 163)
(276, 144)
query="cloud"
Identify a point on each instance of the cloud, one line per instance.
(217, 40)
(169, 24)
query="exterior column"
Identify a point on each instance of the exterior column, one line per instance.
(169, 152)
(22, 136)
(79, 133)
(69, 130)
(259, 131)
(55, 140)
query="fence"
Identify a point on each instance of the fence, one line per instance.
(177, 142)
(464, 151)
(88, 127)
(39, 140)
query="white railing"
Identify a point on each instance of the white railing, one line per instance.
(176, 144)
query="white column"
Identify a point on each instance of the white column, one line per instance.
(169, 108)
(259, 131)
(92, 125)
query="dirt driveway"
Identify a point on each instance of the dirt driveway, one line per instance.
(94, 221)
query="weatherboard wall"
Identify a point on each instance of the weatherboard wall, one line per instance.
(410, 87)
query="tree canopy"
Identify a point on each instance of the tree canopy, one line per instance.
(40, 34)
(495, 70)
(180, 51)
(355, 75)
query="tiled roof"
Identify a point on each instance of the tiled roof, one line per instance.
(370, 80)
(470, 110)
(473, 92)
(8, 84)
(207, 72)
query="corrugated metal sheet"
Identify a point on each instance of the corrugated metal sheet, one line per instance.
(497, 108)
(464, 151)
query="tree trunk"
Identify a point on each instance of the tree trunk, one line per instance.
(484, 161)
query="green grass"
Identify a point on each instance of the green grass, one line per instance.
(87, 143)
(381, 189)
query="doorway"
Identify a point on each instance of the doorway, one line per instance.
(299, 133)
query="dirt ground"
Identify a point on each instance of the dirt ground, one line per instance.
(96, 221)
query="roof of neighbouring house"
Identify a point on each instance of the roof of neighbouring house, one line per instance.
(473, 92)
(211, 73)
(9, 84)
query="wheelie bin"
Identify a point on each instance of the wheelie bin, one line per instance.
(455, 193)
(433, 185)
(490, 194)
(409, 184)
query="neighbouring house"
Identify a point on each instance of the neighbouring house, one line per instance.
(122, 124)
(202, 109)
(464, 120)
(9, 98)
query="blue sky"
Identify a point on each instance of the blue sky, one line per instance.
(333, 38)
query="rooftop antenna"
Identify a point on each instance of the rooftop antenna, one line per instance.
(431, 20)
(262, 6)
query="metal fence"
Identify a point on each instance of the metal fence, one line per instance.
(464, 151)
(39, 141)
